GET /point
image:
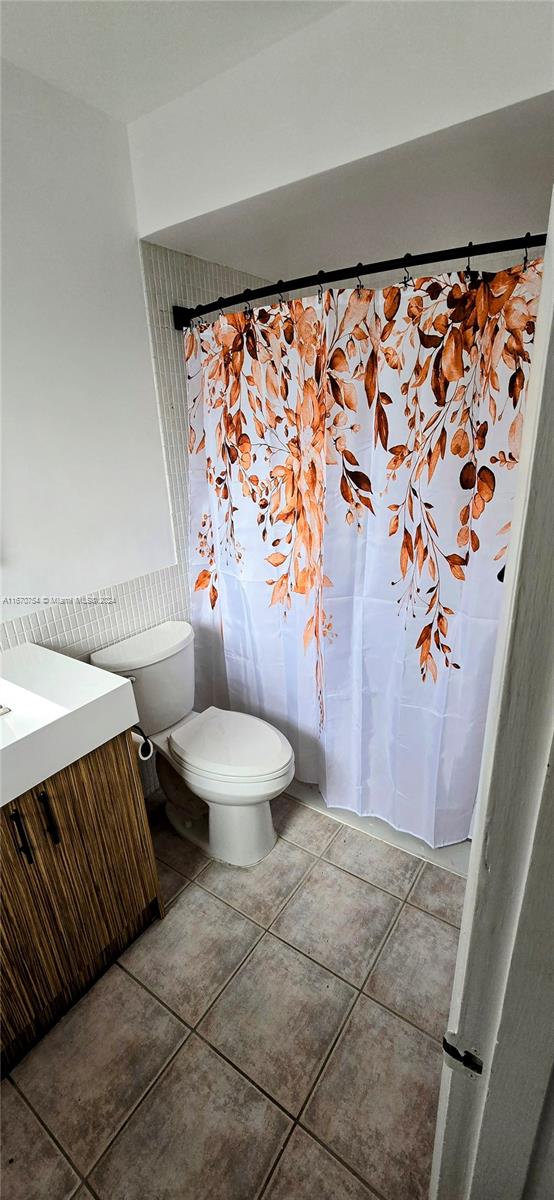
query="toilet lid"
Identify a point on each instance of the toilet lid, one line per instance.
(230, 744)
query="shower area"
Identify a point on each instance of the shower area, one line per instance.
(353, 462)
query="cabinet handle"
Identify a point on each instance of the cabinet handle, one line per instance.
(25, 845)
(51, 823)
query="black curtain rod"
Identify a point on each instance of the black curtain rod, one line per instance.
(183, 316)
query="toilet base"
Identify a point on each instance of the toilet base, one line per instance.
(238, 834)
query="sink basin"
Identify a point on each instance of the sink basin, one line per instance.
(58, 710)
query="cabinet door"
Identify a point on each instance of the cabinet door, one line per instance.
(35, 962)
(79, 883)
(98, 853)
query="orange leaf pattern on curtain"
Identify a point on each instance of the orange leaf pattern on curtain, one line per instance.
(308, 401)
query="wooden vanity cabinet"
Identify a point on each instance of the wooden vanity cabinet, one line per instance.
(79, 882)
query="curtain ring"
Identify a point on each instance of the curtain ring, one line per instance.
(526, 253)
(407, 277)
(468, 271)
(471, 276)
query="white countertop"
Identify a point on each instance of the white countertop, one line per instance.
(61, 708)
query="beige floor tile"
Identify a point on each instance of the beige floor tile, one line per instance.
(203, 1133)
(377, 862)
(188, 957)
(277, 1019)
(171, 883)
(440, 893)
(260, 891)
(338, 920)
(302, 825)
(375, 1104)
(86, 1075)
(32, 1166)
(306, 1171)
(415, 971)
(177, 852)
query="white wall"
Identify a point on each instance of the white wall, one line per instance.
(485, 179)
(85, 501)
(364, 78)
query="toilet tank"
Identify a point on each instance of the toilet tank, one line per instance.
(160, 663)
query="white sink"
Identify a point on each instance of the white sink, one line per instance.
(59, 710)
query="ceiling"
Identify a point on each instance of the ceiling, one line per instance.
(484, 179)
(127, 57)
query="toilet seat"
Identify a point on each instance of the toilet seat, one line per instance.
(222, 745)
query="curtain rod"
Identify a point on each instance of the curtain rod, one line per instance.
(183, 316)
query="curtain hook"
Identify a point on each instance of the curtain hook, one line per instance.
(359, 287)
(468, 271)
(221, 302)
(526, 254)
(407, 277)
(321, 278)
(280, 285)
(248, 311)
(471, 276)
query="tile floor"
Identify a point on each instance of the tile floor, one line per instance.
(276, 1036)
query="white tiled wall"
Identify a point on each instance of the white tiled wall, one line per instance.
(88, 623)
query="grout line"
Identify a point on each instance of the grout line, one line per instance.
(240, 1071)
(51, 1135)
(379, 886)
(315, 961)
(241, 911)
(176, 871)
(229, 980)
(168, 903)
(402, 1016)
(189, 878)
(445, 921)
(296, 889)
(192, 1026)
(334, 1043)
(386, 936)
(374, 1193)
(375, 836)
(204, 867)
(360, 993)
(227, 903)
(92, 1190)
(392, 926)
(136, 1106)
(163, 1003)
(298, 846)
(269, 1176)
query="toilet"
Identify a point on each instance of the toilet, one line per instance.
(234, 762)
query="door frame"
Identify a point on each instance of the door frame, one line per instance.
(503, 995)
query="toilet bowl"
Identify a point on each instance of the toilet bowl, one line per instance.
(234, 762)
(237, 764)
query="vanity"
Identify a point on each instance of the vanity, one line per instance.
(79, 879)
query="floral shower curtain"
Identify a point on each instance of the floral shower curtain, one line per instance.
(353, 463)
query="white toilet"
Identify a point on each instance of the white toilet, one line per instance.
(236, 763)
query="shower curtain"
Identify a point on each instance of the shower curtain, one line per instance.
(353, 464)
